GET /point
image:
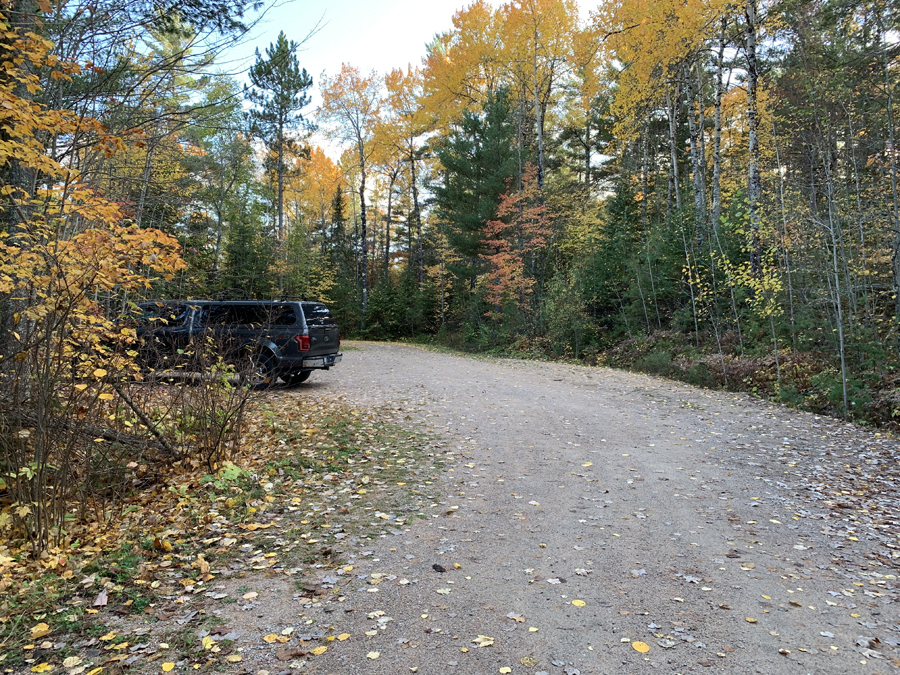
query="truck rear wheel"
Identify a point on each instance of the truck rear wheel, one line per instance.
(297, 378)
(258, 371)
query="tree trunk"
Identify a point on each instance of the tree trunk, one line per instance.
(364, 241)
(673, 145)
(21, 180)
(696, 167)
(539, 122)
(387, 228)
(145, 183)
(717, 136)
(895, 212)
(420, 272)
(754, 179)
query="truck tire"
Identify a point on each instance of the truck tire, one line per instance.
(297, 378)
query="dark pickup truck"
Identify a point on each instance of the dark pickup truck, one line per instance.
(265, 339)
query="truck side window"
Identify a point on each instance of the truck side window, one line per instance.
(214, 315)
(317, 315)
(249, 315)
(283, 315)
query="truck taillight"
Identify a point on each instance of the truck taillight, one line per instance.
(302, 342)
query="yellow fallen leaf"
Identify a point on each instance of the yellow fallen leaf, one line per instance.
(532, 629)
(373, 655)
(318, 651)
(208, 642)
(39, 631)
(463, 649)
(483, 641)
(343, 636)
(579, 603)
(457, 566)
(270, 638)
(505, 669)
(96, 671)
(72, 661)
(250, 595)
(641, 647)
(528, 661)
(749, 619)
(105, 397)
(99, 372)
(233, 658)
(767, 597)
(588, 464)
(108, 636)
(166, 667)
(42, 668)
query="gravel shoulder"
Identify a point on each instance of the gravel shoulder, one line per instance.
(584, 514)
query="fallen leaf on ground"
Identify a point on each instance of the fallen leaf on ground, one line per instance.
(373, 655)
(318, 651)
(166, 667)
(343, 636)
(579, 603)
(483, 641)
(42, 668)
(641, 647)
(749, 619)
(39, 631)
(289, 654)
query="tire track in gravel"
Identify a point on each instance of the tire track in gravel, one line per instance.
(678, 516)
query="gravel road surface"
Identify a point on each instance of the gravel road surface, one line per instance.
(597, 521)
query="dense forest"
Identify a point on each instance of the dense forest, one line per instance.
(700, 189)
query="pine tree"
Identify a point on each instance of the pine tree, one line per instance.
(479, 161)
(279, 93)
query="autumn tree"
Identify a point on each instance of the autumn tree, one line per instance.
(351, 106)
(410, 123)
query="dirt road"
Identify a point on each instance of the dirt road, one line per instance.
(595, 521)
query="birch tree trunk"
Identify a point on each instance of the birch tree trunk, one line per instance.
(673, 147)
(716, 213)
(754, 179)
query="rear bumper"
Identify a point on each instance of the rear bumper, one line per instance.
(322, 361)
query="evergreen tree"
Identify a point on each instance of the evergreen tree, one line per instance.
(479, 161)
(279, 93)
(248, 251)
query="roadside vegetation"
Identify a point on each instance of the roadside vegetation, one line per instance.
(707, 191)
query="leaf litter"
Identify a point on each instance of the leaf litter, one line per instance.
(310, 478)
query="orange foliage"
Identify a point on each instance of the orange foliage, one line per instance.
(522, 228)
